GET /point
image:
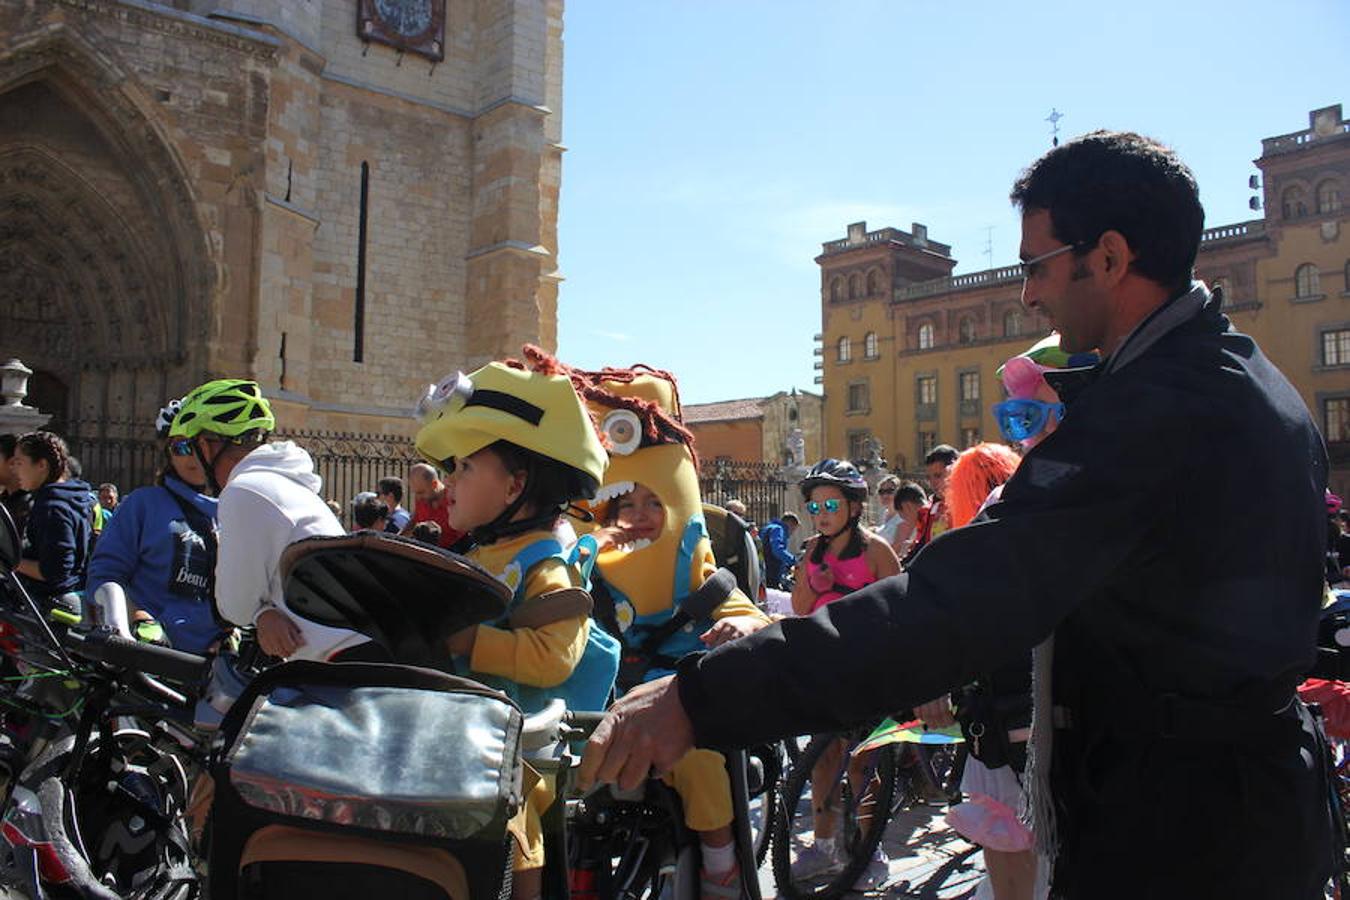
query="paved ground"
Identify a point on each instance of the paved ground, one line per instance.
(928, 860)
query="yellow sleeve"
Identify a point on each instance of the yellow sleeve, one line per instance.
(540, 657)
(737, 604)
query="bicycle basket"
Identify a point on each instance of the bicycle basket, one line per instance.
(392, 754)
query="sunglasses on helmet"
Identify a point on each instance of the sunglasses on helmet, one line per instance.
(1021, 420)
(814, 508)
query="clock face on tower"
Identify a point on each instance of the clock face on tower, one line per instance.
(416, 26)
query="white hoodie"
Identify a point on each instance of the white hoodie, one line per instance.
(272, 500)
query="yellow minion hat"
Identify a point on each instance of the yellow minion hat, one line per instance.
(462, 414)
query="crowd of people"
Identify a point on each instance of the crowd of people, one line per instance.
(1061, 595)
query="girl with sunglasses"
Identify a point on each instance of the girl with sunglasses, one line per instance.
(840, 558)
(161, 548)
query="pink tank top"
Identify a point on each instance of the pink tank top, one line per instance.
(838, 577)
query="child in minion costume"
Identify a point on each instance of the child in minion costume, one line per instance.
(519, 448)
(639, 414)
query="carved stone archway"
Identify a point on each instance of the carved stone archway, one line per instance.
(107, 279)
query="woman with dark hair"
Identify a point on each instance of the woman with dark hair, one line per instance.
(161, 548)
(61, 522)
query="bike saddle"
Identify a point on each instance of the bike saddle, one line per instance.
(404, 595)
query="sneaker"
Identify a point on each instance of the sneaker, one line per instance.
(877, 873)
(813, 861)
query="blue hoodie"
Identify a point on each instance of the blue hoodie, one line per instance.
(162, 561)
(60, 526)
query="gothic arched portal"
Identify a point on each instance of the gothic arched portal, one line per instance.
(106, 278)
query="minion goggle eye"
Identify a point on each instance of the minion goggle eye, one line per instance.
(450, 394)
(624, 430)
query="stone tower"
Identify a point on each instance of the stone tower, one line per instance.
(343, 199)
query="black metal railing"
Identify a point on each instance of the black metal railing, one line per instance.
(758, 485)
(348, 463)
(352, 463)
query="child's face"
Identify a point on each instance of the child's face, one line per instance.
(641, 513)
(480, 490)
(826, 520)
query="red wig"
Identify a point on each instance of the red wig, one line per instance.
(978, 471)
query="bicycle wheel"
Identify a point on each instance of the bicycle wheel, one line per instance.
(940, 769)
(856, 840)
(765, 769)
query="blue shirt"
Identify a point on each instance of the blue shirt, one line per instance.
(157, 554)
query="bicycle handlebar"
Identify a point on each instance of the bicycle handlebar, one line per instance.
(149, 659)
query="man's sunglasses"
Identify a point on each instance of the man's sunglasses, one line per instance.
(182, 447)
(1020, 420)
(814, 508)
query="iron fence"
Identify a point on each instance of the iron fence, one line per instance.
(117, 452)
(350, 463)
(760, 486)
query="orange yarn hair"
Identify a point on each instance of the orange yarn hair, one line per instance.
(977, 471)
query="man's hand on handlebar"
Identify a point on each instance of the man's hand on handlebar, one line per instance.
(731, 628)
(277, 634)
(645, 732)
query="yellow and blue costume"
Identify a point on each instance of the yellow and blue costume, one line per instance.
(639, 414)
(546, 645)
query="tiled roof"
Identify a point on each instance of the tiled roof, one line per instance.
(724, 411)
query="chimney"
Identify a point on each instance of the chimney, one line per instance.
(920, 234)
(857, 232)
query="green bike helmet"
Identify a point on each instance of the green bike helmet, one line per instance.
(229, 407)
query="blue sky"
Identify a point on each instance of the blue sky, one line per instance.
(713, 146)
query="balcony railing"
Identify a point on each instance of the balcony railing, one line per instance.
(946, 284)
(1237, 231)
(1287, 143)
(885, 236)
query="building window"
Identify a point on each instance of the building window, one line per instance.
(970, 386)
(926, 442)
(925, 387)
(1329, 196)
(969, 437)
(1336, 347)
(837, 290)
(857, 443)
(870, 345)
(362, 231)
(966, 330)
(1307, 281)
(1294, 203)
(926, 336)
(1336, 419)
(854, 287)
(1346, 277)
(857, 397)
(1012, 323)
(873, 283)
(845, 352)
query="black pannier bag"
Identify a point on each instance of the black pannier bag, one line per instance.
(360, 780)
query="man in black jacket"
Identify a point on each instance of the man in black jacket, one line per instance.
(1170, 757)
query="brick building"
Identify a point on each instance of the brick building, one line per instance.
(343, 199)
(759, 429)
(909, 351)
